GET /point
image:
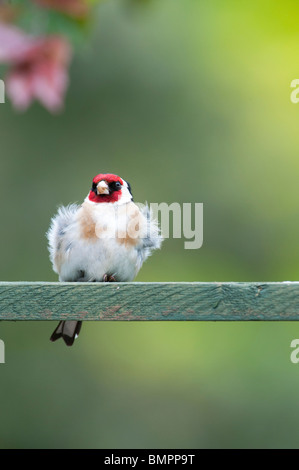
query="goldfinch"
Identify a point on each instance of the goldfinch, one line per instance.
(105, 239)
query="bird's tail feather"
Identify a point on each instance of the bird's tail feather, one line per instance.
(67, 330)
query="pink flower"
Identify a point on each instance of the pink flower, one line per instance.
(38, 67)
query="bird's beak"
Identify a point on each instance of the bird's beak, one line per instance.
(102, 188)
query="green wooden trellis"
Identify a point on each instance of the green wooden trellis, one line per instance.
(150, 301)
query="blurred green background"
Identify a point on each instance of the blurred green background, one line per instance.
(189, 101)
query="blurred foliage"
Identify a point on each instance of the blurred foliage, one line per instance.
(189, 101)
(39, 20)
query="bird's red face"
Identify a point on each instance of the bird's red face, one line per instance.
(106, 188)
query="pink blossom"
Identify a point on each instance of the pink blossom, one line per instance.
(38, 67)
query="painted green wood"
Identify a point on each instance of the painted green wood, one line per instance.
(205, 301)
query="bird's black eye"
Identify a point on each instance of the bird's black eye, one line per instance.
(115, 186)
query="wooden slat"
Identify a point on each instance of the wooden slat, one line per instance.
(200, 301)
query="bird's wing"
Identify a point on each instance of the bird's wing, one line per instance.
(153, 239)
(58, 234)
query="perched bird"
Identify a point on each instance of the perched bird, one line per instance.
(105, 239)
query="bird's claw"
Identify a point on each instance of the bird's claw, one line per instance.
(108, 278)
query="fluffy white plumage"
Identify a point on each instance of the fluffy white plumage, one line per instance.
(80, 250)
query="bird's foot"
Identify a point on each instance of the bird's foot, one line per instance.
(108, 278)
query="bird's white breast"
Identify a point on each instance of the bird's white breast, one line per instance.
(102, 240)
